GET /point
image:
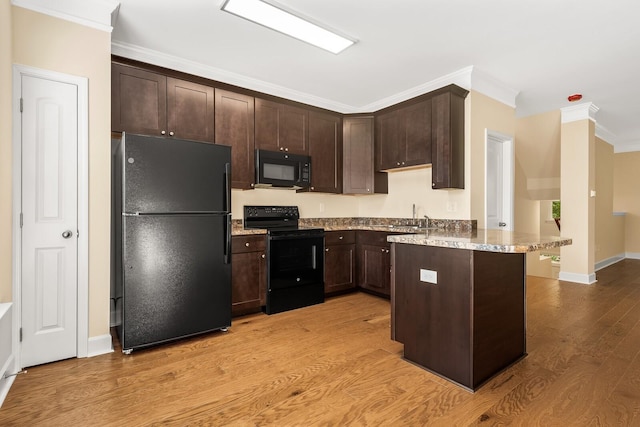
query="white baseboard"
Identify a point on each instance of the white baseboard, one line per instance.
(585, 279)
(101, 344)
(632, 255)
(609, 261)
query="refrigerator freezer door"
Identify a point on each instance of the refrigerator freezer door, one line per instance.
(169, 175)
(176, 283)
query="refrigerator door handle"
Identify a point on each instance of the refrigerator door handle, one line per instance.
(227, 187)
(227, 238)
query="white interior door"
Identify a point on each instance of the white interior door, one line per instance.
(499, 182)
(49, 289)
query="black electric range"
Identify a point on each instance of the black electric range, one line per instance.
(295, 257)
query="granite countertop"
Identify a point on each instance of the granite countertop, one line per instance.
(482, 240)
(389, 225)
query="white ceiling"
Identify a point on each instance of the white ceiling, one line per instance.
(542, 50)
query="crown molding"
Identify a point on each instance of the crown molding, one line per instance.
(493, 88)
(97, 14)
(574, 113)
(460, 78)
(463, 78)
(191, 67)
(626, 147)
(605, 134)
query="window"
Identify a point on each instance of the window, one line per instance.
(555, 209)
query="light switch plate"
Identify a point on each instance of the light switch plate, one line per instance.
(429, 276)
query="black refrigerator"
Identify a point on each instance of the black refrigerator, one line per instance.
(172, 239)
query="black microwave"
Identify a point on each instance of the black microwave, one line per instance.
(279, 169)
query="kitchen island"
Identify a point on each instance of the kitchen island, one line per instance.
(458, 301)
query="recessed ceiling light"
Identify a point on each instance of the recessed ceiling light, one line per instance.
(276, 18)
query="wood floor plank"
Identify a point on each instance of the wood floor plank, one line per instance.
(335, 364)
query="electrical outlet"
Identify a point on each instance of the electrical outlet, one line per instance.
(321, 207)
(429, 276)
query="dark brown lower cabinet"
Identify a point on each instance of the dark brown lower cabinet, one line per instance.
(339, 261)
(373, 253)
(249, 274)
(468, 326)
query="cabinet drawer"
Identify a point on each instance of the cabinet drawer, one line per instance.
(240, 244)
(339, 237)
(375, 238)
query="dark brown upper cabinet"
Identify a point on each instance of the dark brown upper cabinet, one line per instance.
(325, 149)
(281, 127)
(447, 149)
(415, 134)
(150, 103)
(190, 110)
(138, 101)
(387, 139)
(403, 136)
(234, 126)
(359, 176)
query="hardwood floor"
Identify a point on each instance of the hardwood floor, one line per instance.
(334, 364)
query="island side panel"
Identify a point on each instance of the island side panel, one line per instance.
(499, 323)
(433, 321)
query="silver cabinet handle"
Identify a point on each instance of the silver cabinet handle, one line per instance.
(163, 132)
(247, 244)
(502, 224)
(66, 234)
(171, 134)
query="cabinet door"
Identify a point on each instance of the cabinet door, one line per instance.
(374, 269)
(339, 263)
(293, 130)
(249, 274)
(234, 126)
(447, 150)
(281, 127)
(190, 113)
(138, 101)
(415, 134)
(358, 174)
(325, 149)
(266, 125)
(387, 139)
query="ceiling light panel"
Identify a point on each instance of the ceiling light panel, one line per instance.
(278, 19)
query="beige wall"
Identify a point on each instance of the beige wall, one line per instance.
(487, 114)
(609, 229)
(578, 208)
(538, 150)
(53, 44)
(5, 151)
(626, 198)
(537, 175)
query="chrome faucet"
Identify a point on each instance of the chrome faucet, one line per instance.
(427, 219)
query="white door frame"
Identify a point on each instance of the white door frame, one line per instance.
(82, 84)
(509, 170)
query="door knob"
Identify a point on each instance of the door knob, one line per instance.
(502, 224)
(66, 234)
